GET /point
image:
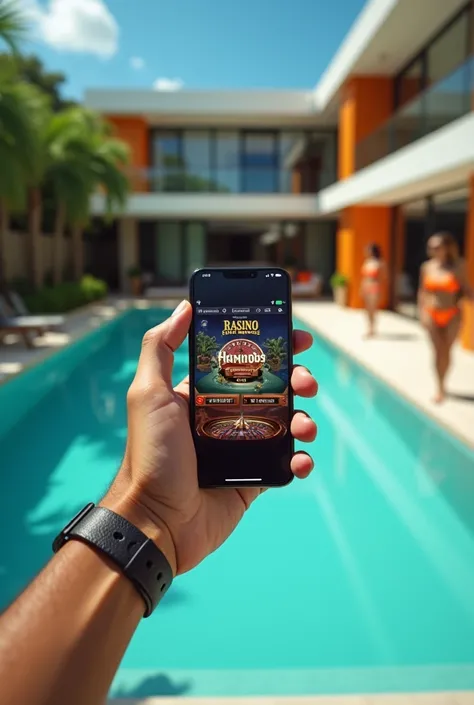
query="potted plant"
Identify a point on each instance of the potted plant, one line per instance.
(206, 346)
(276, 352)
(339, 285)
(135, 276)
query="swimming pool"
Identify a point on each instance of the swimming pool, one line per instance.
(376, 592)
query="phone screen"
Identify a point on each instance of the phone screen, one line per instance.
(240, 364)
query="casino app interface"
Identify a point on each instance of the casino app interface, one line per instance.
(241, 372)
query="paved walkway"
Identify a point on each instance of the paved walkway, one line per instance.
(458, 698)
(15, 356)
(401, 356)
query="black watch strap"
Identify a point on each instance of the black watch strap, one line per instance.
(134, 553)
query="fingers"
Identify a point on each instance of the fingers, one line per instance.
(183, 388)
(159, 344)
(303, 382)
(301, 341)
(303, 427)
(301, 465)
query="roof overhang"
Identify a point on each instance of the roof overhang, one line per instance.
(384, 37)
(252, 107)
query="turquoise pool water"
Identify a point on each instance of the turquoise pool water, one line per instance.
(359, 579)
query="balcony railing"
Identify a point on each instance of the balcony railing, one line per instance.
(438, 105)
(238, 181)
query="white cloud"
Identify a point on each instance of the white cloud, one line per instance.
(85, 26)
(168, 84)
(137, 63)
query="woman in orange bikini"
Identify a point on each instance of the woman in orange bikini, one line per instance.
(443, 281)
(373, 275)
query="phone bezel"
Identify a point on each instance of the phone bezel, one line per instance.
(240, 271)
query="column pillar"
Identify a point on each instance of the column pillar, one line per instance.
(358, 227)
(128, 250)
(367, 102)
(467, 332)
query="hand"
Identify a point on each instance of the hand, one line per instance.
(157, 486)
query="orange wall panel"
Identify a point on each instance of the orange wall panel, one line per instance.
(135, 132)
(374, 100)
(367, 102)
(360, 226)
(346, 134)
(467, 332)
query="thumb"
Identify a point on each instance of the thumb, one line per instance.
(159, 344)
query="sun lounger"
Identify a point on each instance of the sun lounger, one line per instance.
(20, 309)
(20, 327)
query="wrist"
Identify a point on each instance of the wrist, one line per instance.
(127, 504)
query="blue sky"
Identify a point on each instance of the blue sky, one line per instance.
(189, 43)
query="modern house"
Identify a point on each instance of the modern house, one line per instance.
(381, 150)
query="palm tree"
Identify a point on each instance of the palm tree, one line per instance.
(19, 146)
(13, 25)
(67, 174)
(108, 159)
(79, 157)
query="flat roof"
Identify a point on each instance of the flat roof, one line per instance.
(383, 38)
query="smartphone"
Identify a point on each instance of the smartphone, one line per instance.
(241, 358)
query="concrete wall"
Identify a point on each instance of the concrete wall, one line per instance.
(16, 255)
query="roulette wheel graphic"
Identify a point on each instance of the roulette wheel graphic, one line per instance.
(240, 428)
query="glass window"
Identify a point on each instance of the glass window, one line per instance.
(451, 212)
(168, 253)
(227, 151)
(410, 83)
(259, 163)
(449, 50)
(291, 147)
(167, 162)
(197, 160)
(195, 247)
(411, 245)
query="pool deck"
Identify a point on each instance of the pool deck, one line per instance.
(400, 355)
(455, 698)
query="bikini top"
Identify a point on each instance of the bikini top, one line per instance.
(371, 271)
(447, 284)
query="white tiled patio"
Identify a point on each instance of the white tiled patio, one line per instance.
(400, 355)
(458, 698)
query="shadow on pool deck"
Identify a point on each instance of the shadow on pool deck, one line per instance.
(158, 684)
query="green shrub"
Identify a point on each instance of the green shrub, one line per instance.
(66, 296)
(338, 280)
(93, 288)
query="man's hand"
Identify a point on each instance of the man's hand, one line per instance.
(157, 486)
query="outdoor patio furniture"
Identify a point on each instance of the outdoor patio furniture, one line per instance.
(21, 309)
(310, 287)
(25, 327)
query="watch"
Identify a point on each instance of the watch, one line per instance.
(137, 556)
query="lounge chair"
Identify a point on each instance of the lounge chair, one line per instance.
(307, 285)
(18, 326)
(43, 322)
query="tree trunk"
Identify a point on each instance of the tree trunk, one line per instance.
(4, 225)
(78, 252)
(35, 252)
(58, 243)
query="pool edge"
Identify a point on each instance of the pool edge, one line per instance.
(305, 318)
